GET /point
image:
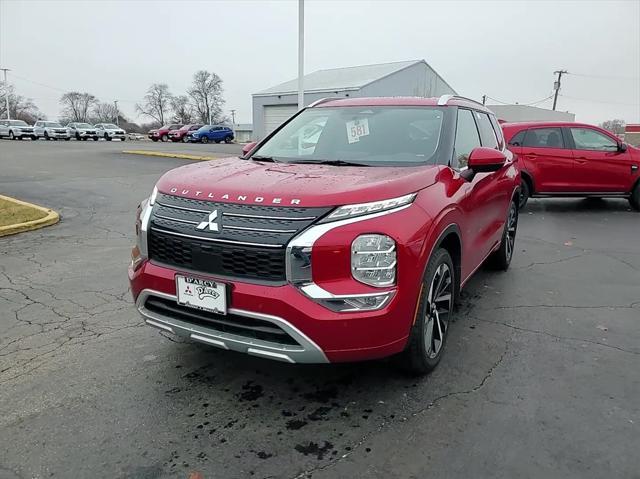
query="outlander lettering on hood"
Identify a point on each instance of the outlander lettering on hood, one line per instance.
(345, 236)
(239, 198)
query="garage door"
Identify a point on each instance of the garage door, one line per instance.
(276, 115)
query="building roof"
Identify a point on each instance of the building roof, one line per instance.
(340, 79)
(244, 126)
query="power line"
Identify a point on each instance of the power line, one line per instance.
(518, 103)
(601, 101)
(604, 77)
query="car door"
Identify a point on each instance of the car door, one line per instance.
(547, 157)
(4, 128)
(601, 166)
(479, 202)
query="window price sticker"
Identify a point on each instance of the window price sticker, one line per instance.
(356, 129)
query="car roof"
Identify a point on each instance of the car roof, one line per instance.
(521, 125)
(445, 100)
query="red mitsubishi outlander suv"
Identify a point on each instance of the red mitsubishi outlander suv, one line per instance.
(573, 159)
(344, 235)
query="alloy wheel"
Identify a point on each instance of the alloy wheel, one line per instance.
(439, 308)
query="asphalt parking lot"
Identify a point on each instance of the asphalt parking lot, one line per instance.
(541, 377)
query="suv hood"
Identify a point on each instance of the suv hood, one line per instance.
(234, 180)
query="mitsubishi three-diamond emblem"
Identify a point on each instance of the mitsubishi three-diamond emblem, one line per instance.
(210, 223)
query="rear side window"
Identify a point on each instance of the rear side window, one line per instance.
(467, 138)
(487, 135)
(588, 139)
(543, 138)
(518, 139)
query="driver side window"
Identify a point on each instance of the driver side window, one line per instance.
(467, 138)
(588, 139)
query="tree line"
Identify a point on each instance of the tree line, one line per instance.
(202, 103)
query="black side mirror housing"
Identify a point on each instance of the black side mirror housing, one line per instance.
(622, 147)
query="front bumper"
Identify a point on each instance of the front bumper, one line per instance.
(319, 335)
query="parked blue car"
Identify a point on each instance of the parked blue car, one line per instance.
(209, 133)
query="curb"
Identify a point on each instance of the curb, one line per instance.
(50, 219)
(170, 155)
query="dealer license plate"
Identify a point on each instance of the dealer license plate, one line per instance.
(202, 294)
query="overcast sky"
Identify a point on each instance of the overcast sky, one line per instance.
(507, 50)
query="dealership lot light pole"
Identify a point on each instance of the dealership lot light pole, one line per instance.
(6, 90)
(300, 54)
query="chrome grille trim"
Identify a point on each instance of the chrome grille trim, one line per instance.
(262, 217)
(215, 240)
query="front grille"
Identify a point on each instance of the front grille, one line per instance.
(230, 323)
(249, 243)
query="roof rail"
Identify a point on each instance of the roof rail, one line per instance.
(444, 99)
(323, 100)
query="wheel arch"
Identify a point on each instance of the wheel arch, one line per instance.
(528, 177)
(450, 238)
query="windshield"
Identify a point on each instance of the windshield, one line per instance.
(53, 124)
(110, 126)
(371, 136)
(17, 123)
(83, 125)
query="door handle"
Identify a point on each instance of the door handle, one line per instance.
(581, 159)
(634, 168)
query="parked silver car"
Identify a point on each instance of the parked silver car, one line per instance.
(82, 131)
(16, 130)
(50, 130)
(109, 131)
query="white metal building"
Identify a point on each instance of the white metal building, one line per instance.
(243, 132)
(529, 113)
(271, 107)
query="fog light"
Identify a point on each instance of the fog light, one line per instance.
(373, 260)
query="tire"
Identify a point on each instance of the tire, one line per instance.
(154, 140)
(634, 199)
(46, 136)
(84, 138)
(122, 139)
(20, 138)
(95, 138)
(107, 137)
(164, 138)
(217, 141)
(525, 193)
(34, 138)
(78, 136)
(12, 136)
(204, 139)
(501, 258)
(185, 139)
(429, 332)
(228, 139)
(67, 139)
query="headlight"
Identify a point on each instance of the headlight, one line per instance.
(373, 260)
(349, 211)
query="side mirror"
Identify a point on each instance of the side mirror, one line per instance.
(246, 149)
(485, 160)
(622, 147)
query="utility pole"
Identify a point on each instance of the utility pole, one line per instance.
(233, 122)
(6, 91)
(556, 86)
(300, 54)
(115, 102)
(484, 99)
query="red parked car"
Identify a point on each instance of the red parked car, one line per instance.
(162, 133)
(345, 235)
(573, 159)
(182, 134)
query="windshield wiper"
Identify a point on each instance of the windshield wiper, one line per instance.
(264, 158)
(331, 162)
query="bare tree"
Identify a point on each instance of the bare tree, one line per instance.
(76, 106)
(104, 113)
(206, 95)
(182, 110)
(20, 108)
(614, 126)
(157, 103)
